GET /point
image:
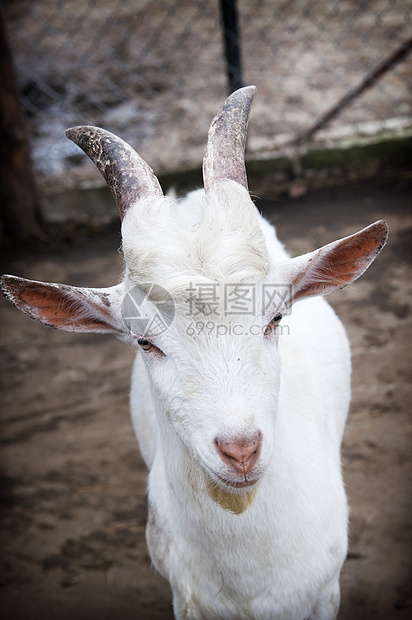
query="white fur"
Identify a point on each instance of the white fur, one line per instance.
(279, 558)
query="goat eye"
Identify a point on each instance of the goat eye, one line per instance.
(273, 323)
(145, 344)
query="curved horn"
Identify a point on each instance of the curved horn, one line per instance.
(225, 152)
(125, 172)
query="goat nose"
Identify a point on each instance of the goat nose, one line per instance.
(240, 453)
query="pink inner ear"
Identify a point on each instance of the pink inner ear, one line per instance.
(336, 265)
(347, 260)
(61, 309)
(58, 305)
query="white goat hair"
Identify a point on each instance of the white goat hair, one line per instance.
(238, 402)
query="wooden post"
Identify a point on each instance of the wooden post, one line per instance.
(20, 209)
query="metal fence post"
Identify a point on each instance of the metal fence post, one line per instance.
(232, 44)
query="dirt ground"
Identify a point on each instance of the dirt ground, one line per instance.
(73, 485)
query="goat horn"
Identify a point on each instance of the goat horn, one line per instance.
(128, 176)
(225, 152)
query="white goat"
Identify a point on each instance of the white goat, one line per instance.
(239, 420)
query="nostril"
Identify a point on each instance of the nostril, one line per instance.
(241, 453)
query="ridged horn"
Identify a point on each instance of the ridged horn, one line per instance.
(128, 176)
(225, 152)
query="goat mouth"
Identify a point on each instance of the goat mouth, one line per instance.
(238, 485)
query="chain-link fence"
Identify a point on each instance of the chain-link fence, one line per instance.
(153, 71)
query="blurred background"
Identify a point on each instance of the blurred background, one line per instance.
(154, 72)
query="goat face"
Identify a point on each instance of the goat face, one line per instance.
(209, 365)
(215, 389)
(219, 399)
(221, 402)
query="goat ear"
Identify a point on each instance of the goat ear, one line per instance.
(64, 307)
(337, 264)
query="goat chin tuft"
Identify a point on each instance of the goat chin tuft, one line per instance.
(232, 501)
